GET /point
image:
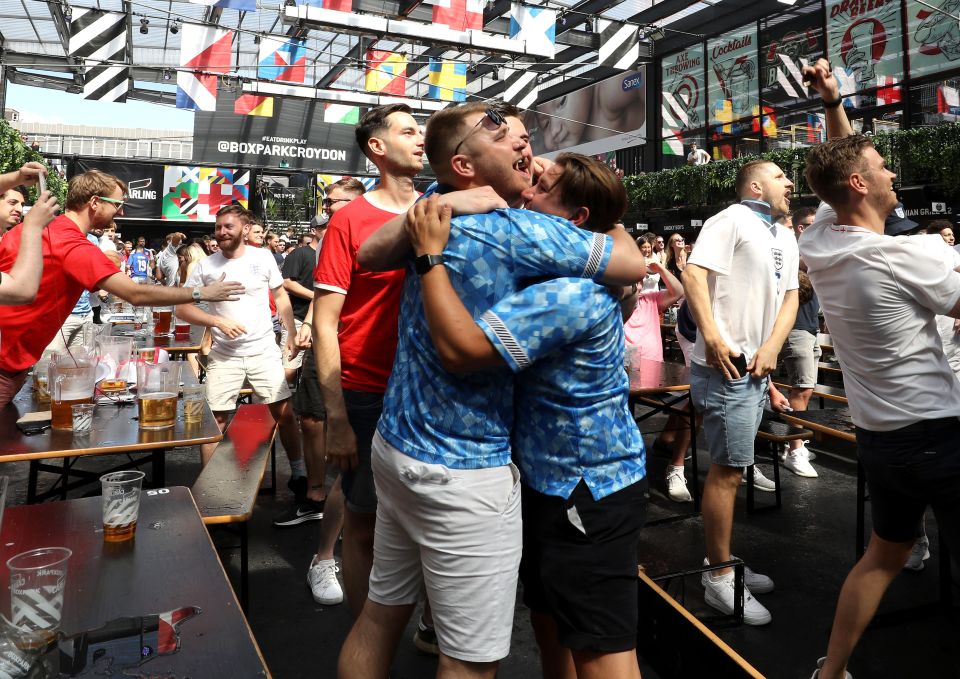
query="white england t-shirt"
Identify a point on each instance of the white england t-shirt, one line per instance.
(880, 296)
(751, 264)
(257, 271)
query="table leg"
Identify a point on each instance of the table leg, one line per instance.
(244, 602)
(32, 482)
(159, 466)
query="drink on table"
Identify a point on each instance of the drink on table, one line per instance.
(181, 330)
(121, 504)
(113, 385)
(162, 326)
(61, 410)
(158, 410)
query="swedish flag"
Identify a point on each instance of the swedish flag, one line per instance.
(448, 80)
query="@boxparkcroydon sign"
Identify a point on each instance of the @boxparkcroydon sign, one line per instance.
(295, 137)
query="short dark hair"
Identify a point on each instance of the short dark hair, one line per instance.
(938, 225)
(586, 182)
(446, 129)
(22, 190)
(245, 215)
(747, 173)
(375, 120)
(803, 213)
(830, 164)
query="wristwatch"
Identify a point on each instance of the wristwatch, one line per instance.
(424, 263)
(196, 294)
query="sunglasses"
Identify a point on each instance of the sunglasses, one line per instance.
(330, 201)
(114, 201)
(493, 114)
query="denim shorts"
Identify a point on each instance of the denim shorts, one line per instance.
(800, 355)
(731, 410)
(363, 413)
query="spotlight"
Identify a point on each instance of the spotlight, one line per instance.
(595, 24)
(472, 68)
(290, 3)
(175, 26)
(167, 74)
(144, 23)
(655, 32)
(495, 74)
(67, 12)
(256, 39)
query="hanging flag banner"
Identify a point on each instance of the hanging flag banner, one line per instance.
(933, 37)
(241, 5)
(732, 82)
(341, 113)
(99, 36)
(619, 44)
(386, 72)
(338, 5)
(785, 48)
(683, 98)
(602, 117)
(282, 58)
(253, 105)
(198, 193)
(207, 49)
(521, 88)
(864, 42)
(534, 25)
(460, 15)
(295, 137)
(448, 80)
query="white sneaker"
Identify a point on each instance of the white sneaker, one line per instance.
(816, 672)
(919, 554)
(760, 482)
(798, 461)
(719, 593)
(755, 582)
(677, 485)
(322, 578)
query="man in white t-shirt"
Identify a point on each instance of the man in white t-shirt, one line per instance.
(244, 345)
(741, 286)
(697, 156)
(168, 266)
(880, 297)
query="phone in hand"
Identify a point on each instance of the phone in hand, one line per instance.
(740, 363)
(43, 182)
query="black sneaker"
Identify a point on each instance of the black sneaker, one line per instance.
(300, 512)
(425, 639)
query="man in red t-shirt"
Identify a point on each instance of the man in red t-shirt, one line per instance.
(355, 327)
(72, 264)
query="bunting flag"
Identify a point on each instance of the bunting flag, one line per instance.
(521, 88)
(282, 58)
(537, 26)
(889, 91)
(460, 15)
(254, 105)
(241, 5)
(619, 44)
(338, 5)
(341, 113)
(815, 128)
(948, 100)
(448, 80)
(386, 72)
(206, 48)
(767, 121)
(99, 36)
(672, 146)
(197, 193)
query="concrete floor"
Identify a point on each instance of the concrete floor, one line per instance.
(807, 547)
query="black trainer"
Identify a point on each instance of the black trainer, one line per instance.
(425, 638)
(300, 512)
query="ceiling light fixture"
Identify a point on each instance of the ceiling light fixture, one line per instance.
(144, 23)
(175, 26)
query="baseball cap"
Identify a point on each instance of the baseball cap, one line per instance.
(897, 222)
(319, 221)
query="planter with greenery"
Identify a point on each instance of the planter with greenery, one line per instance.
(14, 153)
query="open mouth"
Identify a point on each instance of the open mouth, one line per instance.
(522, 167)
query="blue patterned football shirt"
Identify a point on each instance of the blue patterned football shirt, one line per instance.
(564, 338)
(464, 421)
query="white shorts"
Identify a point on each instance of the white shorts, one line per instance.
(458, 534)
(226, 376)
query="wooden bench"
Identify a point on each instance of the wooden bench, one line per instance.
(772, 434)
(821, 391)
(227, 488)
(677, 645)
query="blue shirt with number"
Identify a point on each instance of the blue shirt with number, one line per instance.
(564, 339)
(464, 421)
(139, 264)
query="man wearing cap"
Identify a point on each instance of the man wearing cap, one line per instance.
(880, 296)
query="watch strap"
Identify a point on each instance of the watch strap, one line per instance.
(424, 263)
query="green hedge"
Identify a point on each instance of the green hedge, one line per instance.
(925, 155)
(14, 153)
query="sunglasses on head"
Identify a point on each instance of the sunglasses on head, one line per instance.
(494, 114)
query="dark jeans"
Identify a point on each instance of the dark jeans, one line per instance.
(363, 412)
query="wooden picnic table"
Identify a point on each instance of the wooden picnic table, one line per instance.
(171, 343)
(116, 593)
(116, 429)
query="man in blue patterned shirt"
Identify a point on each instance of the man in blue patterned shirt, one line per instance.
(449, 513)
(580, 453)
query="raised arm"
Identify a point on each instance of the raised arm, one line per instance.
(20, 284)
(627, 265)
(820, 77)
(27, 175)
(674, 286)
(461, 344)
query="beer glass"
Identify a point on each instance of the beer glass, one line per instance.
(157, 387)
(37, 583)
(121, 504)
(71, 377)
(114, 352)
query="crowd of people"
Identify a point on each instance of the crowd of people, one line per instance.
(459, 357)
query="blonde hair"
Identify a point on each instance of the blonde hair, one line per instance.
(193, 253)
(83, 187)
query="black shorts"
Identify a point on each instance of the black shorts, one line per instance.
(363, 412)
(908, 469)
(308, 399)
(586, 580)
